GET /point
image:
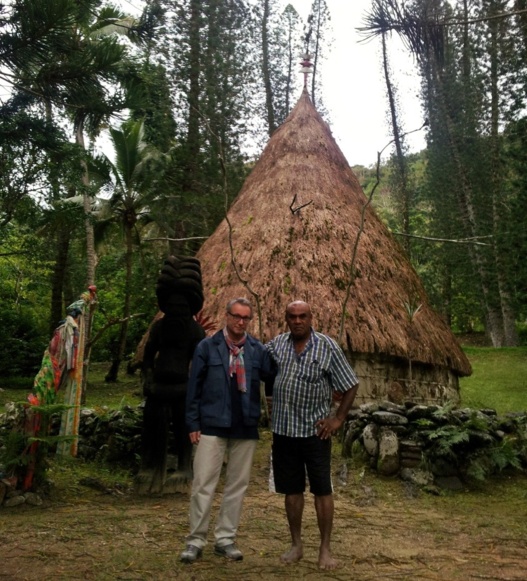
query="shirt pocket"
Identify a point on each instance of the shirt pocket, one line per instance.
(312, 373)
(215, 361)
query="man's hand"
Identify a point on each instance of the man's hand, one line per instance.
(194, 437)
(326, 428)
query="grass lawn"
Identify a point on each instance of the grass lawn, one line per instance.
(498, 381)
(126, 391)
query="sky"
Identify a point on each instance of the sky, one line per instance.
(354, 89)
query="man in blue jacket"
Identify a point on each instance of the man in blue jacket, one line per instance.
(222, 413)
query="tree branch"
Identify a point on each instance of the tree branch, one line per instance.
(452, 22)
(473, 240)
(351, 269)
(167, 239)
(109, 324)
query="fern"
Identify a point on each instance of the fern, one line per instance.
(476, 422)
(477, 470)
(506, 455)
(444, 411)
(12, 452)
(445, 442)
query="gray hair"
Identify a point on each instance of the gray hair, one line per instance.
(239, 301)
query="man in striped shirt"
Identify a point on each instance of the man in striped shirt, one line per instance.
(311, 366)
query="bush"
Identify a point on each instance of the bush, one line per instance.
(22, 344)
(522, 333)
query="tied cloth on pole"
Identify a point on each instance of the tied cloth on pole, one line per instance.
(75, 343)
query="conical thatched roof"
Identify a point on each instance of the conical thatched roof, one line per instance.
(306, 255)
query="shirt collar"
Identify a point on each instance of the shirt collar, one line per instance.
(310, 342)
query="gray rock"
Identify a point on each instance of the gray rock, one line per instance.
(370, 439)
(388, 461)
(411, 445)
(419, 412)
(389, 419)
(355, 414)
(410, 455)
(33, 499)
(389, 406)
(369, 407)
(14, 501)
(417, 477)
(409, 462)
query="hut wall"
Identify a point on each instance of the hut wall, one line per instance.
(391, 379)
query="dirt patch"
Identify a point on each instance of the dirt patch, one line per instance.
(382, 530)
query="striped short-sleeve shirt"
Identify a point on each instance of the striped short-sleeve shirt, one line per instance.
(304, 384)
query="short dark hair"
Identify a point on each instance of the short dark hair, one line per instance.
(239, 301)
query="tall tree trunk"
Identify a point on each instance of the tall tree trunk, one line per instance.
(317, 16)
(465, 198)
(402, 175)
(290, 64)
(190, 177)
(464, 192)
(510, 334)
(271, 123)
(91, 258)
(63, 238)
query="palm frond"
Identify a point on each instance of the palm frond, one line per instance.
(420, 26)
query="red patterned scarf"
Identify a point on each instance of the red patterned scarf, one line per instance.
(236, 360)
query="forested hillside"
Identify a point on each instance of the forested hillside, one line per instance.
(186, 95)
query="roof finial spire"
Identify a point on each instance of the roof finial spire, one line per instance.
(306, 67)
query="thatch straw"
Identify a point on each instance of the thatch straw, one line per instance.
(306, 255)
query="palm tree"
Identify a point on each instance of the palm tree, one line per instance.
(133, 175)
(96, 73)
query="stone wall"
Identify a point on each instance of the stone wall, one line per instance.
(435, 446)
(427, 445)
(108, 436)
(393, 380)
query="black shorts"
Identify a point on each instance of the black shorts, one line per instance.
(293, 456)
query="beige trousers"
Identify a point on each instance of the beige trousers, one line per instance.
(208, 462)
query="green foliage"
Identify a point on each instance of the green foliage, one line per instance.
(473, 191)
(424, 423)
(12, 452)
(472, 450)
(24, 272)
(444, 441)
(22, 342)
(494, 459)
(110, 296)
(25, 450)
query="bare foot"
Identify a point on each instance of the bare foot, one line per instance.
(293, 555)
(326, 561)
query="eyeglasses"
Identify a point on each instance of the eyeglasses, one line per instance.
(239, 318)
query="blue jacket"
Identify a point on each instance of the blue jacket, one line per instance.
(208, 395)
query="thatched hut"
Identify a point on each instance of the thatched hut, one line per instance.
(400, 347)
